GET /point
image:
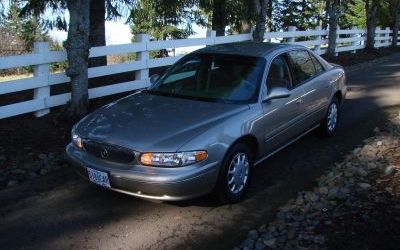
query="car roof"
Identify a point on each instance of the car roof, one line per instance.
(256, 49)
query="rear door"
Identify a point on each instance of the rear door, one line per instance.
(281, 115)
(309, 73)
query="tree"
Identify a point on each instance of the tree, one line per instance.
(97, 36)
(100, 10)
(217, 12)
(370, 10)
(303, 14)
(394, 6)
(219, 17)
(77, 46)
(2, 14)
(28, 29)
(354, 14)
(163, 20)
(261, 10)
(334, 14)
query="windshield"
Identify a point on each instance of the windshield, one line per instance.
(215, 77)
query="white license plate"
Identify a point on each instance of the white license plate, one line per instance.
(98, 177)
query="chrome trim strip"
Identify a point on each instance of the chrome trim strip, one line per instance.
(284, 146)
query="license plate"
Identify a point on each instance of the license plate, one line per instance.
(98, 177)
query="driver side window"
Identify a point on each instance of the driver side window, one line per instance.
(279, 74)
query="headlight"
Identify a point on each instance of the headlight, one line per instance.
(77, 141)
(178, 159)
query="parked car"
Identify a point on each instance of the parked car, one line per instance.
(208, 120)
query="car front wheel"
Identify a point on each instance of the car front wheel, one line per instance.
(234, 175)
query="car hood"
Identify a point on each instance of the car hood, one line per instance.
(148, 122)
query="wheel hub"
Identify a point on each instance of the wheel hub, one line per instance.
(332, 117)
(238, 173)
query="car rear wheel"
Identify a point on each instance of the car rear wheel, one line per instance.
(234, 174)
(330, 122)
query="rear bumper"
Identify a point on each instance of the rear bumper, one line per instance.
(150, 183)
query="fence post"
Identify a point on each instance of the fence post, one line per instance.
(387, 35)
(211, 34)
(337, 38)
(41, 70)
(377, 44)
(142, 74)
(354, 35)
(318, 38)
(292, 29)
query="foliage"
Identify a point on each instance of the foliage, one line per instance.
(303, 14)
(28, 29)
(55, 17)
(354, 14)
(57, 66)
(55, 10)
(236, 12)
(162, 20)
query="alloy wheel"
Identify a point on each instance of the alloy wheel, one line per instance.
(332, 117)
(238, 173)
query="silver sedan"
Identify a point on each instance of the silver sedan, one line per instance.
(204, 124)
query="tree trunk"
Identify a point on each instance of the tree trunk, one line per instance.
(269, 16)
(219, 17)
(77, 46)
(97, 36)
(394, 6)
(326, 17)
(261, 9)
(395, 34)
(371, 22)
(334, 12)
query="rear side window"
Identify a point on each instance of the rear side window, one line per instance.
(303, 66)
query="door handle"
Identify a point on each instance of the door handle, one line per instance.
(299, 101)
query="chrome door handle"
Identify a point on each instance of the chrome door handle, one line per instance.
(299, 101)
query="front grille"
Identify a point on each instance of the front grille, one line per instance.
(108, 152)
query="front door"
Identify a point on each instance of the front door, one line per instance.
(281, 116)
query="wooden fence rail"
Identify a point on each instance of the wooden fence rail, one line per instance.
(42, 80)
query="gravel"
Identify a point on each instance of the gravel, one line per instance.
(355, 188)
(29, 166)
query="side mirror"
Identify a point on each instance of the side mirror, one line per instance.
(277, 93)
(154, 79)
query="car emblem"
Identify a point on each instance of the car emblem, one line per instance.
(104, 153)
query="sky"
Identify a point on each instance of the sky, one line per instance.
(117, 32)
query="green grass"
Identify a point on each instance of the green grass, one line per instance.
(15, 77)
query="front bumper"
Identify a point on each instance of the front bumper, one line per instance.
(167, 184)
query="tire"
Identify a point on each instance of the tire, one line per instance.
(329, 124)
(228, 188)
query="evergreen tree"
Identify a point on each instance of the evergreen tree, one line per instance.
(303, 14)
(27, 29)
(163, 20)
(354, 14)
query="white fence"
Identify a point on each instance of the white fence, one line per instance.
(347, 40)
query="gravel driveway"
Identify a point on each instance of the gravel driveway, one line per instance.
(61, 211)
